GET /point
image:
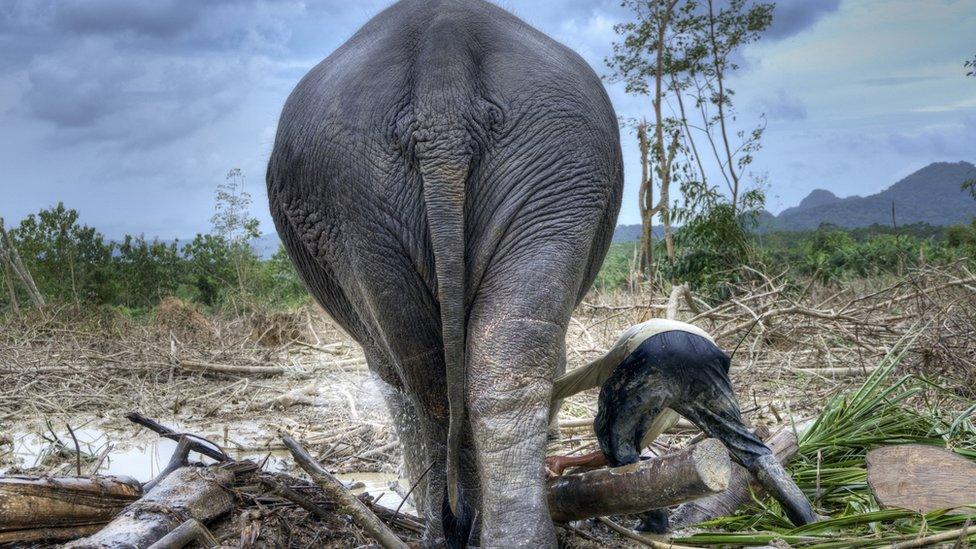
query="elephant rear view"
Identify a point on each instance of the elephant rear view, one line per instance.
(447, 183)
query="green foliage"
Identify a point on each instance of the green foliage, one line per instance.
(834, 254)
(69, 261)
(73, 263)
(711, 247)
(617, 267)
(830, 466)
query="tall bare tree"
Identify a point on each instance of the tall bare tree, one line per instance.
(648, 58)
(678, 50)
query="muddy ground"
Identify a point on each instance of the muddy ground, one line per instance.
(87, 369)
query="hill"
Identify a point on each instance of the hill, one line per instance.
(931, 195)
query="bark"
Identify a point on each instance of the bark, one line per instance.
(922, 478)
(188, 532)
(646, 203)
(14, 260)
(740, 489)
(44, 503)
(693, 472)
(188, 493)
(47, 535)
(349, 503)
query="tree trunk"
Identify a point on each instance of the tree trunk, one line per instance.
(9, 282)
(645, 200)
(693, 472)
(13, 258)
(190, 492)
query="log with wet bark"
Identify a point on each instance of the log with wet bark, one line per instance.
(44, 503)
(740, 489)
(693, 472)
(187, 493)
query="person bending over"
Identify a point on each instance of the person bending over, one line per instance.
(658, 368)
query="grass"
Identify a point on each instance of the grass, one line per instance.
(830, 466)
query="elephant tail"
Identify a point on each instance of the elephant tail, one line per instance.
(444, 177)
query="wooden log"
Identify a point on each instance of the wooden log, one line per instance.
(48, 535)
(46, 502)
(188, 532)
(190, 492)
(350, 504)
(740, 489)
(698, 470)
(921, 478)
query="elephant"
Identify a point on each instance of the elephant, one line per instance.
(447, 183)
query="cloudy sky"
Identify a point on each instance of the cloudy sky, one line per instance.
(132, 111)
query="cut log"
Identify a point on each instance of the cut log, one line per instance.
(921, 478)
(47, 502)
(693, 472)
(741, 486)
(190, 492)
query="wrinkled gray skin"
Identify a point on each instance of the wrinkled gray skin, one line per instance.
(447, 183)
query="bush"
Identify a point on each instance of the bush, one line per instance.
(73, 263)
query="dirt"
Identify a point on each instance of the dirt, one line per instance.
(88, 374)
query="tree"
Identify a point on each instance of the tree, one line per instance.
(68, 260)
(233, 223)
(684, 49)
(649, 59)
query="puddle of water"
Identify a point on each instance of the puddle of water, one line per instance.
(378, 485)
(143, 456)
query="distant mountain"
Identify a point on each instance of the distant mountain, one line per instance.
(931, 195)
(817, 197)
(632, 233)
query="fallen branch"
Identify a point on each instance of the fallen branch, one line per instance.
(643, 540)
(699, 470)
(363, 516)
(210, 367)
(197, 444)
(48, 535)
